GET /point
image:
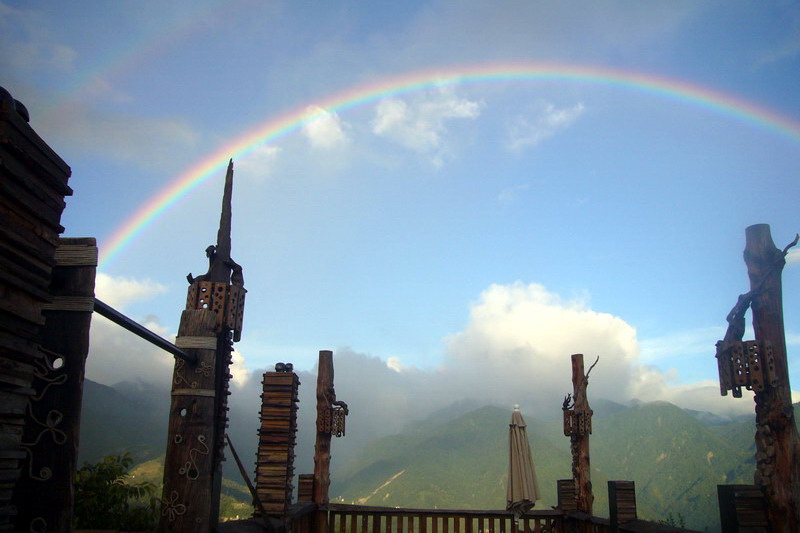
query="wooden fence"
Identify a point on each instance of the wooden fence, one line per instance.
(362, 519)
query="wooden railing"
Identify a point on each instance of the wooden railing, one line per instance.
(366, 519)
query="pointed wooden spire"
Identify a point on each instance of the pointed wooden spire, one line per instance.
(219, 266)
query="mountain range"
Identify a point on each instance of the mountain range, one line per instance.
(458, 457)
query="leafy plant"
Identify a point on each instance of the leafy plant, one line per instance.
(106, 499)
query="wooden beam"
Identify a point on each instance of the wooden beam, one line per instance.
(105, 310)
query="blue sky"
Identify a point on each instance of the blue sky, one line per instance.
(442, 232)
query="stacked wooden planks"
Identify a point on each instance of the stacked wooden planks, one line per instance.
(567, 497)
(621, 502)
(276, 440)
(33, 184)
(742, 508)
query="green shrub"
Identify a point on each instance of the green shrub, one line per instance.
(105, 498)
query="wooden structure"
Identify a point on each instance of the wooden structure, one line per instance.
(578, 426)
(210, 323)
(276, 441)
(621, 503)
(53, 429)
(761, 365)
(742, 509)
(46, 301)
(331, 415)
(565, 493)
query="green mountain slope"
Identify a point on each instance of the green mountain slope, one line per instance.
(675, 460)
(113, 422)
(461, 463)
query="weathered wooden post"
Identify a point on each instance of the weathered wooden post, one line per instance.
(578, 427)
(44, 496)
(761, 366)
(330, 421)
(198, 414)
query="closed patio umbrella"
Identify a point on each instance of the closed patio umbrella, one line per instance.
(523, 488)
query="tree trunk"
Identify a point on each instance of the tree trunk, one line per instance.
(581, 468)
(777, 441)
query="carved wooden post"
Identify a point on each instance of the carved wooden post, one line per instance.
(330, 421)
(578, 427)
(198, 411)
(44, 496)
(777, 441)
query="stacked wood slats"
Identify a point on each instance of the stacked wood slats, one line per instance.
(621, 502)
(567, 497)
(276, 440)
(305, 489)
(33, 183)
(742, 509)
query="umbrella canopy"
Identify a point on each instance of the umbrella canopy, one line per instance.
(523, 487)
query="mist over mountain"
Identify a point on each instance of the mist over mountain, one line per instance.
(457, 456)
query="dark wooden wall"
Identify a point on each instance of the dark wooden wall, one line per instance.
(33, 184)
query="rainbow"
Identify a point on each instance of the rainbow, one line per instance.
(275, 128)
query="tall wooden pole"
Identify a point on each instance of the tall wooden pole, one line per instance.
(581, 428)
(777, 441)
(198, 412)
(44, 495)
(330, 421)
(322, 447)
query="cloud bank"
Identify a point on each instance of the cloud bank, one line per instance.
(514, 349)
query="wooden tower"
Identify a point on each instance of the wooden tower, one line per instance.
(276, 441)
(210, 323)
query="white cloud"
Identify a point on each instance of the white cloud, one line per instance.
(396, 364)
(545, 121)
(519, 340)
(793, 257)
(650, 384)
(326, 131)
(421, 124)
(259, 163)
(117, 355)
(238, 369)
(120, 291)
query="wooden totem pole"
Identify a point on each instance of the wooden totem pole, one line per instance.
(330, 421)
(578, 427)
(761, 366)
(210, 323)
